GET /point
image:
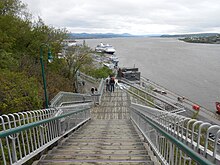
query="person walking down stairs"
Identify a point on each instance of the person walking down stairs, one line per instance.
(112, 84)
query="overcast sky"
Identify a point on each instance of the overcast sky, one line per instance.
(129, 16)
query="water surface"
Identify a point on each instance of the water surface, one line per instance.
(191, 70)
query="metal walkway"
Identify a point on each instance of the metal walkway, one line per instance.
(108, 138)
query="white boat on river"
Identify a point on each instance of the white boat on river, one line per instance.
(105, 48)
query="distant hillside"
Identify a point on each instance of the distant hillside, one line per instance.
(113, 35)
(190, 35)
(214, 39)
(209, 38)
(97, 35)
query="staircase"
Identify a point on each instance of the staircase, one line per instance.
(108, 138)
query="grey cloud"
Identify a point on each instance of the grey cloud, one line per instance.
(132, 16)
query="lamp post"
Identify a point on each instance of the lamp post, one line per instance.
(50, 59)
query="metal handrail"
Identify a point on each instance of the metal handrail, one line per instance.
(25, 134)
(67, 98)
(88, 78)
(101, 89)
(35, 124)
(175, 134)
(62, 97)
(174, 107)
(98, 94)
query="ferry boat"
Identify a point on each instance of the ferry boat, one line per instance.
(105, 48)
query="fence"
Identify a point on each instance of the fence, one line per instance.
(151, 99)
(68, 98)
(88, 78)
(23, 135)
(100, 90)
(26, 134)
(177, 139)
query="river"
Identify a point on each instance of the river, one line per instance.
(189, 69)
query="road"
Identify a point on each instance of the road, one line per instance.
(203, 114)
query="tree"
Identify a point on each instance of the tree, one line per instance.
(13, 18)
(7, 61)
(20, 52)
(18, 92)
(13, 7)
(76, 57)
(41, 33)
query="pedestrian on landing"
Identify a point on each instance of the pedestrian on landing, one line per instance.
(112, 84)
(96, 91)
(92, 90)
(107, 84)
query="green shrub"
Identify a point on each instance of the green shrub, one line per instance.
(98, 72)
(18, 92)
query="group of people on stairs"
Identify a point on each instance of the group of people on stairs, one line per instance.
(110, 83)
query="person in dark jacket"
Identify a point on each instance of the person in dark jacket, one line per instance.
(92, 90)
(112, 84)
